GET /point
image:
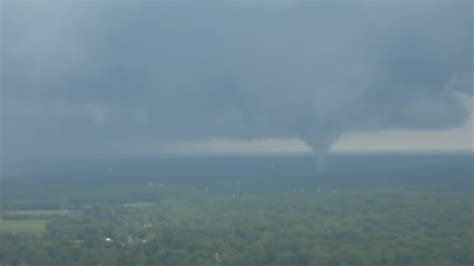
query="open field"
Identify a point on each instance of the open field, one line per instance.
(35, 227)
(41, 212)
(139, 204)
(21, 215)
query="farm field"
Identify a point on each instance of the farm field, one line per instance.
(33, 227)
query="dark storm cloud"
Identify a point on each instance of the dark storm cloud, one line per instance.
(79, 74)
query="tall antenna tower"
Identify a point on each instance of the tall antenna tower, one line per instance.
(237, 189)
(2, 185)
(1, 134)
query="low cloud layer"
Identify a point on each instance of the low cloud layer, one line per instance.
(81, 77)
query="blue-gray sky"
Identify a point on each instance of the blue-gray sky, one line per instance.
(101, 78)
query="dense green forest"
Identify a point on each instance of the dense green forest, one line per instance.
(253, 221)
(388, 227)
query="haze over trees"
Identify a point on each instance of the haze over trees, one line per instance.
(352, 215)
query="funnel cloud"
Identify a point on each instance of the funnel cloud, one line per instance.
(86, 77)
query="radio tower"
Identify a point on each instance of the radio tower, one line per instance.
(237, 189)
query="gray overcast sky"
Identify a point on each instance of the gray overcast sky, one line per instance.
(103, 78)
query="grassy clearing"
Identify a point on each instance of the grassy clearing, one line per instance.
(37, 214)
(139, 204)
(42, 212)
(35, 227)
